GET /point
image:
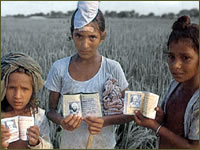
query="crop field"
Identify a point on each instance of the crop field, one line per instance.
(139, 45)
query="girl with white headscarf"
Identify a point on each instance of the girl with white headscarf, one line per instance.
(85, 72)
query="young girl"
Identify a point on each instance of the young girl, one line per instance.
(86, 72)
(20, 81)
(178, 124)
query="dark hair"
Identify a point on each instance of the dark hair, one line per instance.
(33, 103)
(183, 29)
(99, 19)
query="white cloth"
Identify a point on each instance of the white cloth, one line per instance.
(87, 11)
(59, 80)
(191, 116)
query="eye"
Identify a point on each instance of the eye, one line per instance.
(25, 89)
(11, 87)
(92, 37)
(171, 56)
(78, 36)
(185, 58)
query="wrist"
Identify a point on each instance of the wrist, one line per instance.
(157, 130)
(37, 146)
(38, 142)
(155, 126)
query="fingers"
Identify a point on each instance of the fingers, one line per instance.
(159, 110)
(71, 122)
(159, 115)
(4, 144)
(139, 115)
(137, 119)
(5, 135)
(95, 124)
(33, 135)
(5, 131)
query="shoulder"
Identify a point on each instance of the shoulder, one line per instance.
(110, 61)
(40, 116)
(111, 64)
(40, 113)
(60, 66)
(61, 62)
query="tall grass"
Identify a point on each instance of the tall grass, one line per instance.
(137, 44)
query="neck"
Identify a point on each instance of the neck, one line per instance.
(17, 112)
(90, 60)
(192, 84)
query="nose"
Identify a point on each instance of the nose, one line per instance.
(85, 43)
(18, 93)
(177, 64)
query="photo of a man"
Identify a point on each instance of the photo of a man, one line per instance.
(74, 108)
(135, 101)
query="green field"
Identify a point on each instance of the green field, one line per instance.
(137, 44)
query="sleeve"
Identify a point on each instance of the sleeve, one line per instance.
(45, 142)
(194, 127)
(118, 74)
(53, 81)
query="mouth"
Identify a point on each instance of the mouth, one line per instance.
(84, 52)
(177, 74)
(18, 103)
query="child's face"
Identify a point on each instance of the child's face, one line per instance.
(183, 61)
(19, 90)
(87, 40)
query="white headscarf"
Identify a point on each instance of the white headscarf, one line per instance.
(87, 11)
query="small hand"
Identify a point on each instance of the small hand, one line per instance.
(5, 135)
(33, 135)
(71, 122)
(95, 124)
(145, 122)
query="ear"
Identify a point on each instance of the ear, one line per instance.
(103, 35)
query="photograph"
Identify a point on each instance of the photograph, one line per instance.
(74, 108)
(135, 100)
(11, 124)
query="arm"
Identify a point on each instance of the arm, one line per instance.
(70, 122)
(53, 102)
(117, 119)
(177, 140)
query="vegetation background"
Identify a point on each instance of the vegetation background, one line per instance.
(138, 43)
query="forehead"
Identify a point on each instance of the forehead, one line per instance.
(182, 45)
(91, 27)
(19, 77)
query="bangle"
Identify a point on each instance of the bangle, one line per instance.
(158, 129)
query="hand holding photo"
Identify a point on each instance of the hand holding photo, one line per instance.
(140, 100)
(18, 127)
(82, 104)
